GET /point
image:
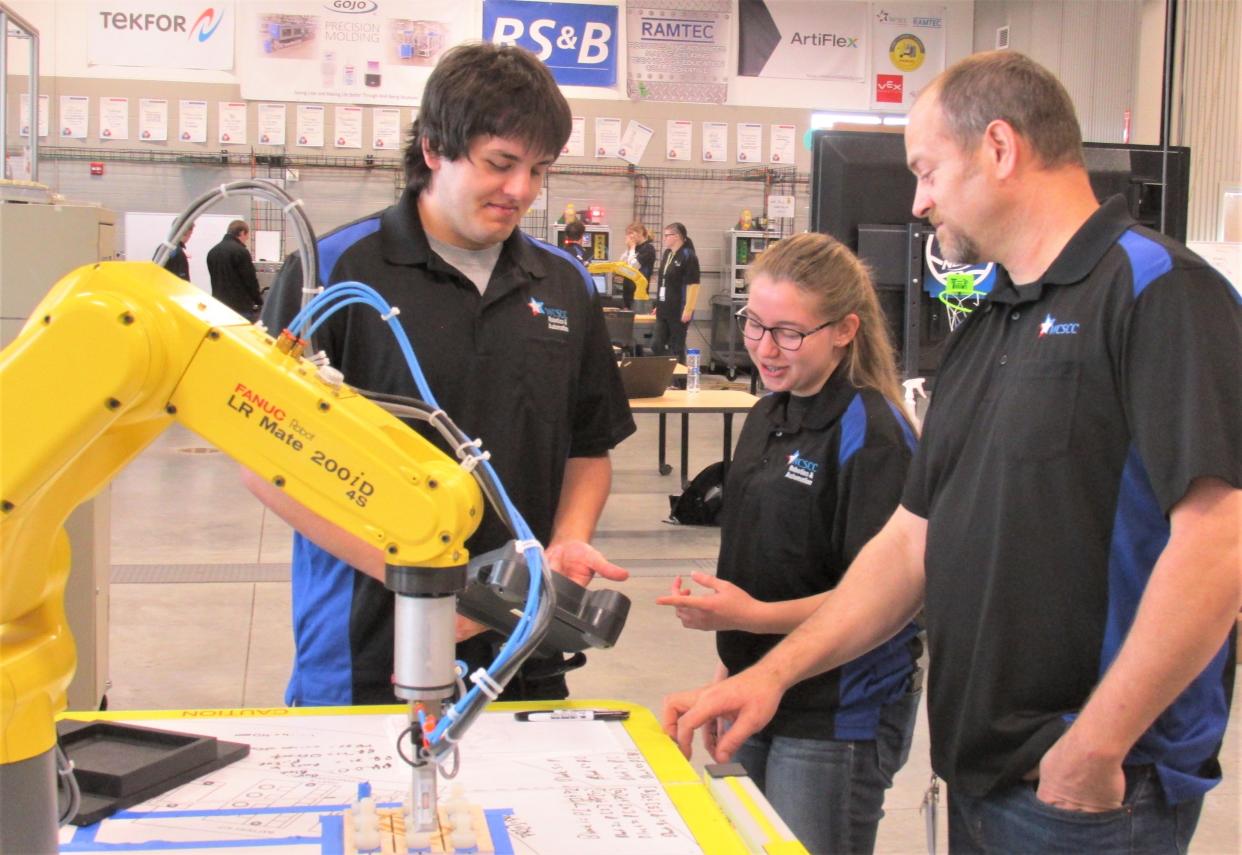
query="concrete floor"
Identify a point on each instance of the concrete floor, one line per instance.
(200, 604)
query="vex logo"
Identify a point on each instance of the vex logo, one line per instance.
(207, 23)
(1051, 327)
(800, 469)
(889, 88)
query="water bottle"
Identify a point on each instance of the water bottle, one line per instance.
(692, 369)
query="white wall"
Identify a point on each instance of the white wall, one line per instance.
(1093, 46)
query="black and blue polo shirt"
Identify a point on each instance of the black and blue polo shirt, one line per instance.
(527, 367)
(1069, 417)
(812, 480)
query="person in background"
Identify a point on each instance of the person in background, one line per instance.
(178, 261)
(1069, 526)
(233, 278)
(512, 342)
(818, 470)
(574, 233)
(641, 255)
(679, 291)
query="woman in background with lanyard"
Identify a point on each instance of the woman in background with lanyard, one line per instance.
(818, 470)
(679, 291)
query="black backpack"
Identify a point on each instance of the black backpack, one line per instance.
(700, 502)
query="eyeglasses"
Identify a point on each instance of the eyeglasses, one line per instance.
(785, 338)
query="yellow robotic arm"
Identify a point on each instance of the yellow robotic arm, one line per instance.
(111, 356)
(625, 271)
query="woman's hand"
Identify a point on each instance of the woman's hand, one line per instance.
(726, 607)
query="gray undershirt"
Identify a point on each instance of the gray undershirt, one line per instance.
(475, 264)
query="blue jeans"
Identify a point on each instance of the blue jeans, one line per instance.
(831, 793)
(1013, 820)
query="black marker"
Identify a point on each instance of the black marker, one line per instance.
(572, 715)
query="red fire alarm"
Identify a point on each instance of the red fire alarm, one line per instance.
(96, 167)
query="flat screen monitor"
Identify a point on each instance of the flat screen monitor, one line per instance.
(858, 177)
(601, 283)
(1148, 177)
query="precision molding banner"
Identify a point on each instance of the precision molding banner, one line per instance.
(576, 41)
(678, 50)
(162, 34)
(908, 50)
(372, 52)
(802, 39)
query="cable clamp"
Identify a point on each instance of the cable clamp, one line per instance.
(470, 463)
(316, 290)
(440, 420)
(168, 245)
(224, 190)
(470, 460)
(392, 312)
(296, 203)
(486, 684)
(523, 545)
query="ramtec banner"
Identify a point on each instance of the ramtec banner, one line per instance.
(346, 51)
(576, 41)
(908, 50)
(802, 39)
(163, 34)
(677, 50)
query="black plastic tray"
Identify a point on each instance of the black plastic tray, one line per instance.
(119, 765)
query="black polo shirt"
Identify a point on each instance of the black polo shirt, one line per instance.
(1069, 417)
(527, 367)
(813, 479)
(677, 270)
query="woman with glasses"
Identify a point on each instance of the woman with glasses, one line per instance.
(818, 470)
(679, 291)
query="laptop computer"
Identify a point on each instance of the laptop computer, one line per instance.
(646, 376)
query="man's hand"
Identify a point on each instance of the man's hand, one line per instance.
(749, 699)
(581, 562)
(467, 628)
(726, 607)
(686, 317)
(1074, 779)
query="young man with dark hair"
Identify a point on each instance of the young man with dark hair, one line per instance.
(511, 339)
(233, 279)
(1069, 525)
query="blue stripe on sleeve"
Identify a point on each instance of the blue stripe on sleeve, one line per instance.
(323, 590)
(1148, 259)
(853, 429)
(906, 430)
(334, 245)
(1190, 730)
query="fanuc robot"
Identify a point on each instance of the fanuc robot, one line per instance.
(118, 351)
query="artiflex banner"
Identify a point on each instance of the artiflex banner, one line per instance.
(802, 39)
(346, 51)
(908, 48)
(576, 41)
(163, 34)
